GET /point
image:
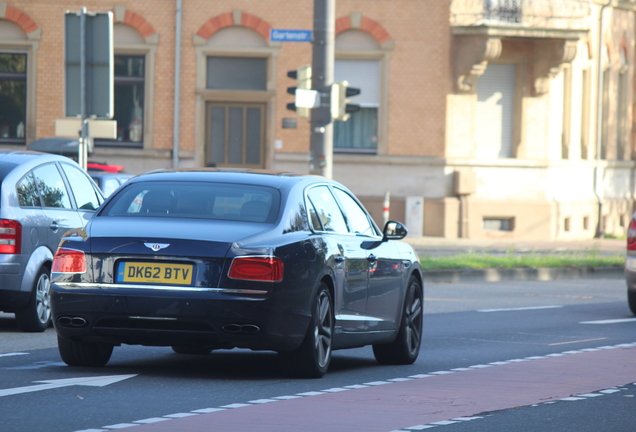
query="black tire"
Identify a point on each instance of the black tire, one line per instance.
(196, 350)
(406, 346)
(631, 301)
(84, 353)
(36, 316)
(312, 358)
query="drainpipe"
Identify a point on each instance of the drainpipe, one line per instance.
(599, 122)
(177, 87)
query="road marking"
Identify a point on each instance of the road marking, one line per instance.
(613, 321)
(13, 354)
(376, 383)
(520, 309)
(99, 381)
(577, 341)
(36, 365)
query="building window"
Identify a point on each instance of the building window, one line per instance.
(586, 223)
(13, 97)
(129, 95)
(359, 134)
(622, 110)
(566, 224)
(237, 73)
(235, 134)
(499, 224)
(605, 103)
(585, 114)
(495, 112)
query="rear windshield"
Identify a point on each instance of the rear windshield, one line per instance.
(195, 200)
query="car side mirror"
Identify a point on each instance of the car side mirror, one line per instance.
(394, 231)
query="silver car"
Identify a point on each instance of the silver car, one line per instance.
(42, 196)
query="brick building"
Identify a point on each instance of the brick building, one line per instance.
(500, 118)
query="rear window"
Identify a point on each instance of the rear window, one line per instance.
(196, 200)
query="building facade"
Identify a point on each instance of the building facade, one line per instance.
(480, 118)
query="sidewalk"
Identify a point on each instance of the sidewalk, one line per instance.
(439, 246)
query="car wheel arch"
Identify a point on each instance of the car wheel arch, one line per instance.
(42, 256)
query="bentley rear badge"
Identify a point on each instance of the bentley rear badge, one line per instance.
(156, 246)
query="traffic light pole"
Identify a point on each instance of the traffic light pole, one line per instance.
(321, 138)
(82, 157)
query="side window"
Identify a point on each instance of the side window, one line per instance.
(27, 192)
(85, 196)
(356, 217)
(313, 217)
(51, 186)
(327, 209)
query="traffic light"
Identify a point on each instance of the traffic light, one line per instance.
(340, 108)
(303, 76)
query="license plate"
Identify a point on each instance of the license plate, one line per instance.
(160, 273)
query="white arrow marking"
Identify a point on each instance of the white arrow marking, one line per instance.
(99, 381)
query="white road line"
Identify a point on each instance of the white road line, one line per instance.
(13, 354)
(520, 309)
(612, 321)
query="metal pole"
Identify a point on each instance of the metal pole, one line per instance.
(177, 87)
(83, 147)
(321, 138)
(599, 124)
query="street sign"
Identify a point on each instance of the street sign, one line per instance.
(281, 35)
(98, 57)
(72, 127)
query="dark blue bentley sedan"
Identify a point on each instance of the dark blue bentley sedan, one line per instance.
(211, 259)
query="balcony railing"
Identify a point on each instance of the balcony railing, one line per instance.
(566, 14)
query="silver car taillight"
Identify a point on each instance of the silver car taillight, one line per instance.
(10, 236)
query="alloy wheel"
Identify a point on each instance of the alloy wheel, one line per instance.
(323, 332)
(43, 298)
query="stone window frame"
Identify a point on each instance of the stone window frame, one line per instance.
(203, 95)
(29, 45)
(386, 45)
(148, 49)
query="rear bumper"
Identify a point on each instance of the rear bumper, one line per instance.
(10, 281)
(143, 317)
(630, 273)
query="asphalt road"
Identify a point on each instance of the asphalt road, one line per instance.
(486, 346)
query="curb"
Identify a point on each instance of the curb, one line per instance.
(522, 274)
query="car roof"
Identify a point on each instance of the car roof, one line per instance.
(107, 174)
(18, 157)
(232, 175)
(25, 159)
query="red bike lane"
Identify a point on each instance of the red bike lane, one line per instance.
(414, 402)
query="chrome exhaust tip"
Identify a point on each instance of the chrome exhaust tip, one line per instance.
(241, 328)
(68, 321)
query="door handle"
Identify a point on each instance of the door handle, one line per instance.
(372, 258)
(339, 259)
(54, 226)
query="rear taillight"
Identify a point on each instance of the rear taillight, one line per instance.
(69, 261)
(10, 236)
(631, 235)
(267, 269)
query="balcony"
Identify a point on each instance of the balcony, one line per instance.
(521, 14)
(549, 29)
